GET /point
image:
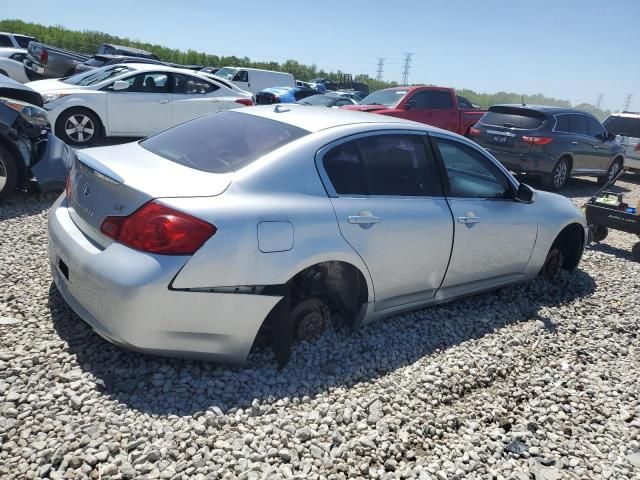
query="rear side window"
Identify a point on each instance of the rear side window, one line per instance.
(562, 124)
(5, 41)
(186, 84)
(578, 124)
(511, 117)
(628, 126)
(395, 165)
(222, 142)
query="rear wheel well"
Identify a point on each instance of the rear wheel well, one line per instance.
(570, 241)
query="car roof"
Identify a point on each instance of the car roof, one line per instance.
(124, 47)
(626, 114)
(550, 109)
(256, 70)
(314, 120)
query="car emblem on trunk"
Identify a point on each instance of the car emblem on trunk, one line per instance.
(86, 189)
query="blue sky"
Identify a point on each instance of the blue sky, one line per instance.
(568, 49)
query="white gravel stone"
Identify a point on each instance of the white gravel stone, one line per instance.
(549, 369)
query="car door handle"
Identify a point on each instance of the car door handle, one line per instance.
(364, 219)
(164, 100)
(468, 220)
(574, 143)
(596, 147)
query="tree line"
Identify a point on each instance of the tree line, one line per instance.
(88, 41)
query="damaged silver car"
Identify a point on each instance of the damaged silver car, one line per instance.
(187, 242)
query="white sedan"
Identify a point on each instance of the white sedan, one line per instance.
(132, 100)
(11, 64)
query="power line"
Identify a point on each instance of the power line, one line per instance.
(406, 67)
(599, 98)
(627, 102)
(380, 69)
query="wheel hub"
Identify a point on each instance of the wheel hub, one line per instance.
(79, 128)
(310, 326)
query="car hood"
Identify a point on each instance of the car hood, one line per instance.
(11, 89)
(52, 85)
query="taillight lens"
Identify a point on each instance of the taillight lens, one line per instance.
(44, 57)
(474, 131)
(156, 228)
(637, 147)
(245, 101)
(67, 187)
(537, 140)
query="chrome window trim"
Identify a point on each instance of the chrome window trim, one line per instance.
(324, 177)
(555, 118)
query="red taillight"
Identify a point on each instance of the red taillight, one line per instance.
(155, 228)
(44, 57)
(67, 188)
(474, 131)
(276, 99)
(637, 147)
(537, 140)
(245, 101)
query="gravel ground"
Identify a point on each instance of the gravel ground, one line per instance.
(533, 381)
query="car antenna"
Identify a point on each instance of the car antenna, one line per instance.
(522, 98)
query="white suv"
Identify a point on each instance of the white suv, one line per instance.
(626, 127)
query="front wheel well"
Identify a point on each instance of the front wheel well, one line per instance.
(570, 241)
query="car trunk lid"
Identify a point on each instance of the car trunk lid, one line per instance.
(502, 128)
(118, 180)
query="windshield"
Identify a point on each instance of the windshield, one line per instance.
(222, 142)
(318, 100)
(24, 41)
(389, 97)
(226, 72)
(629, 126)
(96, 76)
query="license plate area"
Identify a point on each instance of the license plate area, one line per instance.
(496, 139)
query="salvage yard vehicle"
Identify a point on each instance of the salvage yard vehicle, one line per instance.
(327, 100)
(103, 60)
(436, 106)
(29, 153)
(551, 142)
(131, 100)
(187, 242)
(626, 127)
(46, 61)
(254, 80)
(272, 95)
(15, 40)
(111, 49)
(11, 64)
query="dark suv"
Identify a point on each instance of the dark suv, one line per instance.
(551, 142)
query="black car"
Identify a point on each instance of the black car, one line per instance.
(551, 142)
(29, 153)
(329, 101)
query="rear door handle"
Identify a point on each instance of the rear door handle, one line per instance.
(468, 220)
(164, 100)
(596, 147)
(574, 143)
(364, 219)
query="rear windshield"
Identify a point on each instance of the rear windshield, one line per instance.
(513, 117)
(222, 142)
(24, 41)
(619, 125)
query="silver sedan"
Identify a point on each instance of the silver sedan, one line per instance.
(188, 242)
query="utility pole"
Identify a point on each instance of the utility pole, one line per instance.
(599, 98)
(380, 69)
(406, 67)
(627, 102)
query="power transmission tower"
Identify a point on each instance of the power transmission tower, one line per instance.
(406, 67)
(599, 100)
(627, 102)
(380, 69)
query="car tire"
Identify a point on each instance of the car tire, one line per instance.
(78, 126)
(309, 318)
(552, 264)
(614, 168)
(559, 175)
(598, 233)
(8, 174)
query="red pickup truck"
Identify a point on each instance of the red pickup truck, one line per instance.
(436, 106)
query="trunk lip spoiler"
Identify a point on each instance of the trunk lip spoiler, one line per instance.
(98, 169)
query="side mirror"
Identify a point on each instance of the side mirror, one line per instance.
(611, 136)
(120, 85)
(525, 194)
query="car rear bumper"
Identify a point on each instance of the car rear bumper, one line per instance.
(125, 296)
(532, 162)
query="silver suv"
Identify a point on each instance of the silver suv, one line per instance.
(626, 127)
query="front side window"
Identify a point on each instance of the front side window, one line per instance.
(395, 165)
(24, 41)
(148, 82)
(470, 173)
(595, 128)
(241, 76)
(578, 124)
(188, 85)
